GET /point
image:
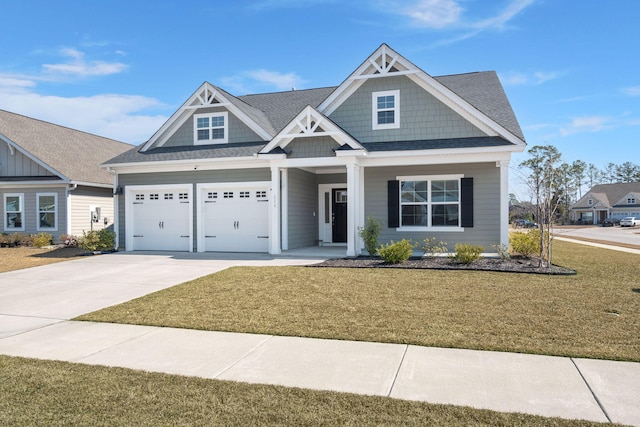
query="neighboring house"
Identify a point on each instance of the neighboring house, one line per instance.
(50, 178)
(427, 156)
(608, 200)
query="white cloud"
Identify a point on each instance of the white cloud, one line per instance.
(120, 117)
(255, 80)
(587, 124)
(534, 78)
(631, 91)
(78, 66)
(499, 21)
(433, 13)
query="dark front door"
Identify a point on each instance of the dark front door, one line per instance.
(339, 216)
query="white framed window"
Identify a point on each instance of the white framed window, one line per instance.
(47, 205)
(590, 202)
(14, 212)
(631, 200)
(429, 202)
(386, 110)
(210, 128)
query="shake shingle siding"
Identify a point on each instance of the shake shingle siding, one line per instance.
(312, 147)
(238, 132)
(422, 116)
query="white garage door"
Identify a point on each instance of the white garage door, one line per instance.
(234, 219)
(160, 219)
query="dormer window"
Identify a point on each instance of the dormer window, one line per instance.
(210, 128)
(590, 202)
(631, 200)
(386, 110)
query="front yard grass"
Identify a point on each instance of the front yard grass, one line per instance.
(50, 393)
(25, 257)
(595, 314)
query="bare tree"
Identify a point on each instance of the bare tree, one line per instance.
(544, 182)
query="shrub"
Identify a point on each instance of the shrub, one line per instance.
(525, 244)
(102, 240)
(370, 233)
(502, 250)
(431, 248)
(396, 252)
(19, 239)
(42, 239)
(69, 241)
(466, 254)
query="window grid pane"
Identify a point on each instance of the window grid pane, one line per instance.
(438, 208)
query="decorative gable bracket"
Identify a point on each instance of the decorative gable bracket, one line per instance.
(310, 123)
(207, 97)
(383, 63)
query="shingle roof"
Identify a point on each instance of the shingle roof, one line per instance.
(433, 144)
(481, 89)
(74, 154)
(193, 152)
(484, 91)
(609, 194)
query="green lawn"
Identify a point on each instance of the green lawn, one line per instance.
(45, 393)
(593, 314)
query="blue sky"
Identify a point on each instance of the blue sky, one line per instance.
(571, 68)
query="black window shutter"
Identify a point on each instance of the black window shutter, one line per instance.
(393, 203)
(466, 201)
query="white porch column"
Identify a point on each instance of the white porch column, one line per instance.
(504, 202)
(284, 209)
(353, 207)
(274, 212)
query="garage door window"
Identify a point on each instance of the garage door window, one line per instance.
(228, 195)
(153, 196)
(168, 196)
(212, 195)
(183, 196)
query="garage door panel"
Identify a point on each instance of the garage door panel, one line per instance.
(161, 220)
(235, 219)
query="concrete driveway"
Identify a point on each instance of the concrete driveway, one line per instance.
(35, 297)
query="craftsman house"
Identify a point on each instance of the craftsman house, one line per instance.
(608, 201)
(51, 180)
(427, 156)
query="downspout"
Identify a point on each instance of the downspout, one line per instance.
(69, 190)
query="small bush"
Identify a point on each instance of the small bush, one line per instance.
(42, 239)
(19, 239)
(396, 252)
(432, 248)
(370, 233)
(525, 244)
(69, 241)
(503, 251)
(466, 254)
(102, 240)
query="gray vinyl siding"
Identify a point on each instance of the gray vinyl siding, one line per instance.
(238, 131)
(187, 177)
(17, 164)
(486, 182)
(422, 116)
(303, 209)
(81, 200)
(333, 178)
(312, 147)
(30, 210)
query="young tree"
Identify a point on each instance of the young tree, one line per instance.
(609, 174)
(544, 182)
(579, 172)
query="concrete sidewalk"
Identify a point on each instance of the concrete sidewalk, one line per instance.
(35, 305)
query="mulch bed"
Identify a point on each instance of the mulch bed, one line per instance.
(510, 265)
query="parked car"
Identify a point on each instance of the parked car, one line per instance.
(611, 222)
(523, 223)
(630, 221)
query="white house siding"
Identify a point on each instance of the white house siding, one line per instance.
(186, 177)
(17, 164)
(81, 200)
(236, 129)
(30, 210)
(303, 209)
(422, 116)
(486, 181)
